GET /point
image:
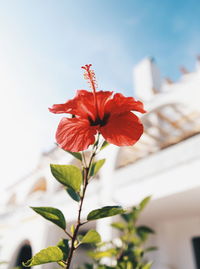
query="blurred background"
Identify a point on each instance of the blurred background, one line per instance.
(146, 49)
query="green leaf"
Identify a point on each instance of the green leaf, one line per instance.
(91, 236)
(104, 267)
(52, 214)
(150, 249)
(144, 202)
(119, 225)
(129, 265)
(147, 265)
(88, 266)
(77, 155)
(144, 229)
(104, 145)
(104, 212)
(63, 244)
(74, 195)
(100, 254)
(143, 232)
(62, 264)
(128, 238)
(47, 255)
(68, 175)
(72, 229)
(138, 252)
(96, 167)
(131, 216)
(127, 216)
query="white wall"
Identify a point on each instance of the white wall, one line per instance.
(173, 238)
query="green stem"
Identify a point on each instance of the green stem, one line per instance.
(79, 224)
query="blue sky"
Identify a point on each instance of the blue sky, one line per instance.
(44, 43)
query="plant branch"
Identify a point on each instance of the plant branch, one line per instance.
(74, 236)
(68, 234)
(86, 176)
(79, 224)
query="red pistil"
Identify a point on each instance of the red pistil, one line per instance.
(89, 75)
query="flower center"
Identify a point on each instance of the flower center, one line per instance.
(99, 121)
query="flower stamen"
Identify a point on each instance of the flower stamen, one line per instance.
(89, 75)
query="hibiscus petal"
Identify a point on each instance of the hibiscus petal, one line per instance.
(75, 134)
(62, 108)
(103, 98)
(120, 104)
(83, 105)
(71, 106)
(122, 129)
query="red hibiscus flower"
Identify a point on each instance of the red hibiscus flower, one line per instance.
(98, 112)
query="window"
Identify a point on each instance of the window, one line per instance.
(196, 249)
(24, 254)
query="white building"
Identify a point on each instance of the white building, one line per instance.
(165, 163)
